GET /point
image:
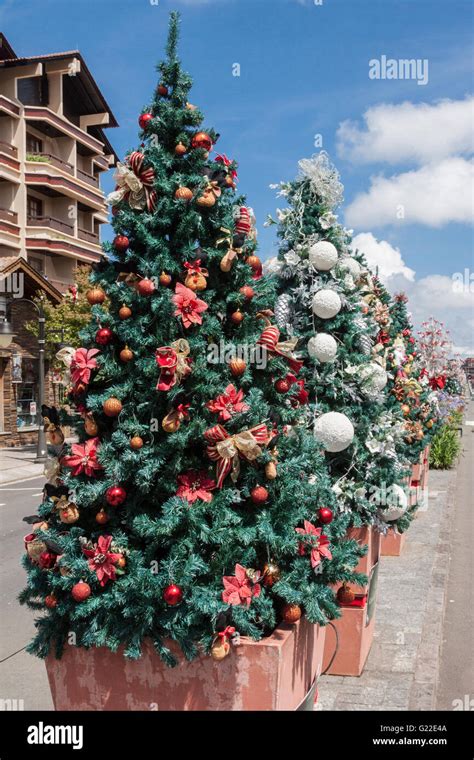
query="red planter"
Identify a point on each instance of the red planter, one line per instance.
(392, 543)
(276, 673)
(365, 537)
(347, 647)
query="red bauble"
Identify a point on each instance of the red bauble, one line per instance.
(121, 243)
(144, 119)
(259, 495)
(282, 386)
(47, 560)
(81, 591)
(248, 292)
(103, 336)
(172, 595)
(115, 496)
(202, 140)
(51, 601)
(145, 287)
(325, 515)
(162, 90)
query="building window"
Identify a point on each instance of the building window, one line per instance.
(34, 207)
(33, 144)
(36, 264)
(25, 380)
(33, 91)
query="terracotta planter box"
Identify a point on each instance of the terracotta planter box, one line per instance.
(393, 543)
(365, 537)
(277, 673)
(355, 633)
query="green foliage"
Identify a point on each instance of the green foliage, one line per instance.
(445, 447)
(166, 538)
(65, 320)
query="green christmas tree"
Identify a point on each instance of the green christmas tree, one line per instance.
(195, 498)
(326, 291)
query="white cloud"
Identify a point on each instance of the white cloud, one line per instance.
(380, 254)
(433, 195)
(449, 299)
(414, 132)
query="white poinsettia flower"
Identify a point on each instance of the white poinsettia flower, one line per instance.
(291, 258)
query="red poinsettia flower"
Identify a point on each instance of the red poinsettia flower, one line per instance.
(188, 306)
(82, 364)
(318, 543)
(102, 561)
(228, 403)
(221, 158)
(194, 485)
(239, 589)
(84, 458)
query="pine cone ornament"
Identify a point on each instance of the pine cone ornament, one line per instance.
(283, 311)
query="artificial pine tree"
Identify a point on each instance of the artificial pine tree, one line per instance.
(326, 292)
(194, 499)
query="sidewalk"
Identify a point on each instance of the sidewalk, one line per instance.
(18, 464)
(402, 670)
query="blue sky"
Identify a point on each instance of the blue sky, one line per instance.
(304, 71)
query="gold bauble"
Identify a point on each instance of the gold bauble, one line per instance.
(112, 407)
(183, 194)
(237, 367)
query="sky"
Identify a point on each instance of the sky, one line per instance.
(312, 77)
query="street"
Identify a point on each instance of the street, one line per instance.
(22, 677)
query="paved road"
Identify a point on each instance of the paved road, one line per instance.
(21, 675)
(456, 679)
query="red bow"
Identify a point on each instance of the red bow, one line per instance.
(146, 177)
(227, 633)
(438, 383)
(270, 337)
(227, 449)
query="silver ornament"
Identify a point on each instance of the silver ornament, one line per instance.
(283, 311)
(365, 342)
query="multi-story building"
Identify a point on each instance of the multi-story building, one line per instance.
(53, 150)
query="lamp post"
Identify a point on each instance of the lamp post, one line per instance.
(6, 338)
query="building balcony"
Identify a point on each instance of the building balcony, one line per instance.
(91, 237)
(55, 177)
(50, 235)
(89, 178)
(54, 125)
(9, 229)
(49, 158)
(9, 163)
(52, 223)
(9, 107)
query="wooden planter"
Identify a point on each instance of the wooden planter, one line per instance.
(277, 673)
(346, 648)
(392, 543)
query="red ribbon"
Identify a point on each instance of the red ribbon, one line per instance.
(243, 444)
(146, 177)
(438, 383)
(269, 338)
(227, 633)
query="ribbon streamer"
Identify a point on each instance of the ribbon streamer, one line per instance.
(226, 449)
(134, 184)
